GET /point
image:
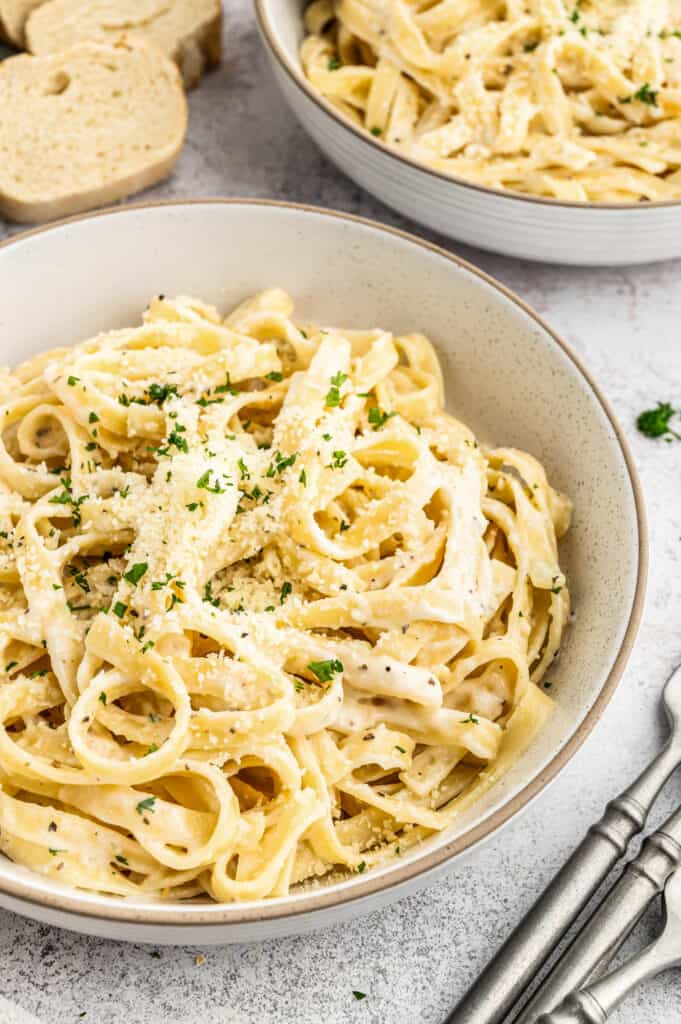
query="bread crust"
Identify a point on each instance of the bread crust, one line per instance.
(14, 32)
(37, 212)
(195, 53)
(200, 51)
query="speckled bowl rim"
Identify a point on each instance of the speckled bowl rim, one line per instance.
(304, 85)
(358, 888)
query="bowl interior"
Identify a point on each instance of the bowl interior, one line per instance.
(286, 19)
(506, 375)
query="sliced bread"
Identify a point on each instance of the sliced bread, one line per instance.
(188, 31)
(86, 127)
(13, 17)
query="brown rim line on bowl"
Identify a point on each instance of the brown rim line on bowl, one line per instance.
(506, 207)
(395, 877)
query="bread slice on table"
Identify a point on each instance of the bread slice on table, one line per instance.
(86, 127)
(188, 31)
(13, 17)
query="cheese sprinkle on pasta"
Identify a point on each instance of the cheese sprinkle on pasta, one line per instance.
(267, 610)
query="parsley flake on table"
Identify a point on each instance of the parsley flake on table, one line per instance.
(655, 422)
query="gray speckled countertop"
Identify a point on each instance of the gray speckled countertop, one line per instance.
(414, 958)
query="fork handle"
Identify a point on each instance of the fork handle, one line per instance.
(593, 1005)
(642, 880)
(579, 1008)
(507, 976)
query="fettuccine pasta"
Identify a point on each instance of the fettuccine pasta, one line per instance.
(578, 100)
(267, 610)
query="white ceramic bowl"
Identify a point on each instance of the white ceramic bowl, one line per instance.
(534, 228)
(507, 374)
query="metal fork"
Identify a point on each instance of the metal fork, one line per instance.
(507, 976)
(594, 1004)
(590, 953)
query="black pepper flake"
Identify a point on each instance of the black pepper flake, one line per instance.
(52, 827)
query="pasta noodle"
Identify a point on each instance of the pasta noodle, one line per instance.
(578, 100)
(267, 610)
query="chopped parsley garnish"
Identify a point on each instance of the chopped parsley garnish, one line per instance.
(119, 609)
(286, 589)
(152, 749)
(655, 422)
(377, 418)
(10, 665)
(303, 478)
(344, 526)
(361, 867)
(376, 131)
(121, 859)
(176, 438)
(160, 392)
(146, 805)
(325, 670)
(81, 579)
(93, 418)
(204, 483)
(72, 381)
(471, 720)
(53, 852)
(65, 498)
(102, 698)
(645, 95)
(334, 64)
(203, 402)
(227, 387)
(339, 459)
(401, 749)
(274, 376)
(90, 446)
(280, 463)
(243, 470)
(208, 595)
(359, 995)
(135, 574)
(193, 505)
(333, 396)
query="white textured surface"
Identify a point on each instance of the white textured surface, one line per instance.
(414, 958)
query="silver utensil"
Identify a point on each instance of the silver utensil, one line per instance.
(594, 1004)
(507, 976)
(591, 951)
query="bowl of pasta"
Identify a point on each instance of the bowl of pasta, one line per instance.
(544, 131)
(291, 537)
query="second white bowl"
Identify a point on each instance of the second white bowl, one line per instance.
(529, 227)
